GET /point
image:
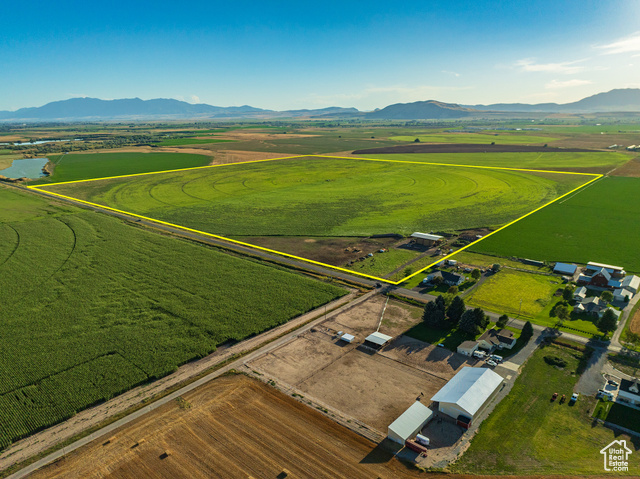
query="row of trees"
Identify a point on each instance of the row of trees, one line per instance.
(446, 312)
(439, 314)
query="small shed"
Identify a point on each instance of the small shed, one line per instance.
(426, 239)
(565, 268)
(348, 338)
(409, 423)
(377, 339)
(468, 347)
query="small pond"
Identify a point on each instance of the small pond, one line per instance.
(27, 168)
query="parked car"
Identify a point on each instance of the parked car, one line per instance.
(604, 394)
(612, 383)
(574, 398)
(479, 354)
(496, 358)
(491, 363)
(440, 345)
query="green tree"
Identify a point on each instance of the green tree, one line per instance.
(527, 331)
(495, 268)
(481, 319)
(433, 315)
(475, 274)
(468, 324)
(456, 309)
(441, 303)
(608, 322)
(453, 290)
(606, 296)
(567, 293)
(502, 321)
(562, 312)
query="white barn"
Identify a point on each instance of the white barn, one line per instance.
(409, 423)
(467, 392)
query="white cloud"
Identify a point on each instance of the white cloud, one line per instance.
(451, 73)
(554, 84)
(624, 45)
(195, 99)
(565, 68)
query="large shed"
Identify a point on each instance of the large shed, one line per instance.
(425, 238)
(409, 423)
(377, 339)
(468, 392)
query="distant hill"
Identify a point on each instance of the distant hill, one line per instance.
(627, 99)
(94, 109)
(421, 110)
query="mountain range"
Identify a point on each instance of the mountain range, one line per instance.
(93, 109)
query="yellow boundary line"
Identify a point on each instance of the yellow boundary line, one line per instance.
(306, 260)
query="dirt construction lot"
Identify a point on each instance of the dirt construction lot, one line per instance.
(352, 379)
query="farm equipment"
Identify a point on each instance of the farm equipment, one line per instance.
(414, 446)
(563, 399)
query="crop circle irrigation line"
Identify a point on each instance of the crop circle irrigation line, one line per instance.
(595, 176)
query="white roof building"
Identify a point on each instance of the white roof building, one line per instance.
(467, 392)
(631, 282)
(426, 236)
(409, 423)
(378, 338)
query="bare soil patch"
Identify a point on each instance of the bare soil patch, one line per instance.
(631, 168)
(234, 427)
(463, 148)
(336, 251)
(373, 388)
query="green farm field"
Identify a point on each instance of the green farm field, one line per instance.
(598, 223)
(590, 162)
(328, 197)
(92, 306)
(527, 434)
(84, 166)
(481, 138)
(190, 141)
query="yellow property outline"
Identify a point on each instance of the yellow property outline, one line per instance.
(306, 260)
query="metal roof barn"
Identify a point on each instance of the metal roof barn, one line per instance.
(409, 423)
(426, 236)
(378, 339)
(467, 392)
(565, 268)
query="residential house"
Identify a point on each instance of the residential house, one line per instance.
(629, 392)
(579, 294)
(631, 283)
(492, 339)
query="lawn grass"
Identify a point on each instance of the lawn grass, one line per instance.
(598, 223)
(482, 138)
(83, 166)
(528, 434)
(92, 306)
(503, 291)
(328, 197)
(487, 261)
(381, 264)
(623, 416)
(593, 162)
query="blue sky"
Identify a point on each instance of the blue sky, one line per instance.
(287, 55)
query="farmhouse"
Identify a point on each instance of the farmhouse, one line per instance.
(452, 279)
(592, 305)
(468, 347)
(492, 339)
(629, 392)
(564, 268)
(426, 239)
(409, 423)
(467, 393)
(579, 294)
